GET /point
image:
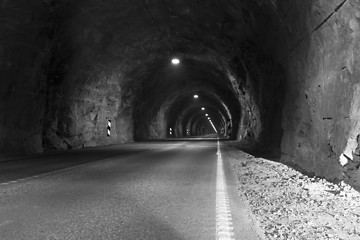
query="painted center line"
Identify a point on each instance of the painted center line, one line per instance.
(224, 226)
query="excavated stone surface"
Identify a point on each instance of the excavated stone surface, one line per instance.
(23, 52)
(320, 58)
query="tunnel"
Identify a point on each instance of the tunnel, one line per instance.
(281, 77)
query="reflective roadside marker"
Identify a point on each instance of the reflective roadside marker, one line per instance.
(108, 128)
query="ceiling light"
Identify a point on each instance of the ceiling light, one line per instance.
(203, 108)
(196, 96)
(175, 61)
(206, 115)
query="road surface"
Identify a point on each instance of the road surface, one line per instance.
(158, 190)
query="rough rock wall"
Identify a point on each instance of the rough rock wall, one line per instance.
(321, 60)
(25, 41)
(259, 85)
(58, 87)
(86, 87)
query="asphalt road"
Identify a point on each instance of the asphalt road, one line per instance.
(164, 190)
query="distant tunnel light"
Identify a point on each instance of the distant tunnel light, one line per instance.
(203, 108)
(175, 61)
(213, 126)
(196, 96)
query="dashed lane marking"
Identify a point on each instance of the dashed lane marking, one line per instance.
(224, 226)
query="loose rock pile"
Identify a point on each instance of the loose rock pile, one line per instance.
(289, 205)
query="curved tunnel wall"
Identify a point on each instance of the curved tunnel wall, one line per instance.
(69, 66)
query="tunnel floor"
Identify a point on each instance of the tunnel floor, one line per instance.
(194, 189)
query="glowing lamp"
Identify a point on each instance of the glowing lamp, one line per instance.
(175, 61)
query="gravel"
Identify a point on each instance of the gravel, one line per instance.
(290, 205)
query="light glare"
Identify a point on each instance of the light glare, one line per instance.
(213, 126)
(203, 108)
(196, 96)
(175, 61)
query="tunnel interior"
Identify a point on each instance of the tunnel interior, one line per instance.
(283, 74)
(167, 99)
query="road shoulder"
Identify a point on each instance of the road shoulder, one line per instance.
(288, 205)
(246, 225)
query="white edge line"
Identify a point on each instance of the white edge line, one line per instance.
(224, 226)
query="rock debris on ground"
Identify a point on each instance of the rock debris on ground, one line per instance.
(289, 205)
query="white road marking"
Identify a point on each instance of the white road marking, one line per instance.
(224, 226)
